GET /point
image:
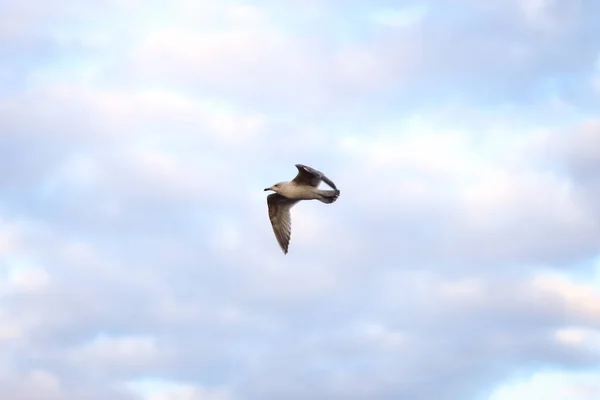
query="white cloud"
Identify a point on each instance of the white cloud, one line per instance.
(402, 17)
(579, 298)
(28, 280)
(585, 338)
(244, 14)
(118, 352)
(548, 15)
(9, 237)
(382, 337)
(33, 385)
(484, 183)
(9, 330)
(551, 385)
(595, 80)
(469, 289)
(152, 389)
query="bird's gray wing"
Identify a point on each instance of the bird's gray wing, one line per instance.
(279, 214)
(311, 177)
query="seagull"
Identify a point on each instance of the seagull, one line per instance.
(303, 187)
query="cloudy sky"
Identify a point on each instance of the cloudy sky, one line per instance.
(461, 261)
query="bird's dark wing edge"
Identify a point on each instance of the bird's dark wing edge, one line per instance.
(310, 176)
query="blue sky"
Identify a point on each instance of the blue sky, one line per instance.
(461, 262)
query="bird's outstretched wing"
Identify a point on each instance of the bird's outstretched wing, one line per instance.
(279, 214)
(311, 177)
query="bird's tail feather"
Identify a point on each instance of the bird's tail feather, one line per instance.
(328, 196)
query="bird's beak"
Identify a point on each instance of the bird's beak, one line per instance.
(267, 189)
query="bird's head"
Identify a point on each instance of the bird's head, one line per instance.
(274, 188)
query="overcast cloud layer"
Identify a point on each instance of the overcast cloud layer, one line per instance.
(461, 261)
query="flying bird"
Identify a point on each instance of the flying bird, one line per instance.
(303, 187)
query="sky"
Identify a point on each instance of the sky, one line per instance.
(460, 262)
